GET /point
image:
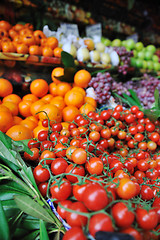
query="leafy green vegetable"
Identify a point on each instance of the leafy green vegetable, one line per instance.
(4, 228)
(43, 231)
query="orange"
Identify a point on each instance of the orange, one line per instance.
(8, 47)
(50, 111)
(28, 39)
(30, 97)
(16, 120)
(18, 40)
(35, 50)
(47, 98)
(82, 78)
(37, 129)
(57, 52)
(12, 98)
(63, 88)
(24, 108)
(35, 107)
(26, 32)
(57, 72)
(91, 101)
(86, 108)
(74, 98)
(38, 35)
(69, 113)
(3, 33)
(34, 119)
(18, 26)
(39, 87)
(5, 25)
(89, 43)
(13, 107)
(22, 48)
(52, 42)
(6, 120)
(28, 123)
(19, 132)
(12, 33)
(4, 108)
(79, 89)
(53, 88)
(47, 51)
(58, 102)
(6, 87)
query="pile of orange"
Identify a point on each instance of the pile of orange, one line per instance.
(21, 118)
(24, 39)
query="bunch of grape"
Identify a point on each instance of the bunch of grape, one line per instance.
(125, 57)
(144, 88)
(102, 83)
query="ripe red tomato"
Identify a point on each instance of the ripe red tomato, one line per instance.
(61, 211)
(43, 188)
(133, 232)
(58, 166)
(94, 165)
(74, 233)
(79, 170)
(122, 215)
(100, 222)
(34, 157)
(57, 127)
(60, 150)
(126, 188)
(146, 192)
(47, 156)
(95, 197)
(41, 174)
(74, 219)
(33, 143)
(146, 219)
(79, 156)
(61, 190)
(78, 191)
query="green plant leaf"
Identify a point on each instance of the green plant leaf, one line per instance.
(130, 100)
(31, 236)
(31, 207)
(67, 59)
(68, 76)
(121, 98)
(153, 115)
(4, 228)
(7, 141)
(156, 97)
(135, 97)
(20, 146)
(43, 231)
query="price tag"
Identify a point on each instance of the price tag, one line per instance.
(94, 30)
(70, 29)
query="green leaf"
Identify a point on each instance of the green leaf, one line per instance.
(31, 236)
(151, 114)
(7, 141)
(20, 146)
(43, 231)
(135, 97)
(68, 76)
(67, 59)
(156, 97)
(130, 100)
(4, 228)
(31, 207)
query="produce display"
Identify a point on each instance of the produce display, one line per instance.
(79, 156)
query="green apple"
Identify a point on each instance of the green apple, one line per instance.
(155, 58)
(141, 55)
(130, 44)
(106, 41)
(139, 46)
(150, 65)
(133, 62)
(124, 43)
(148, 55)
(135, 53)
(156, 66)
(144, 65)
(151, 48)
(139, 63)
(116, 43)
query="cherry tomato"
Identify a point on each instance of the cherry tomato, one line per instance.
(122, 215)
(46, 144)
(60, 150)
(41, 174)
(57, 127)
(95, 197)
(79, 156)
(43, 188)
(74, 219)
(133, 232)
(58, 166)
(146, 219)
(61, 190)
(146, 193)
(42, 135)
(61, 211)
(74, 233)
(78, 191)
(35, 154)
(105, 115)
(50, 155)
(126, 189)
(79, 170)
(33, 143)
(105, 133)
(134, 109)
(94, 166)
(100, 222)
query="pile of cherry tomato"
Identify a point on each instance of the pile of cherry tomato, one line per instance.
(102, 172)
